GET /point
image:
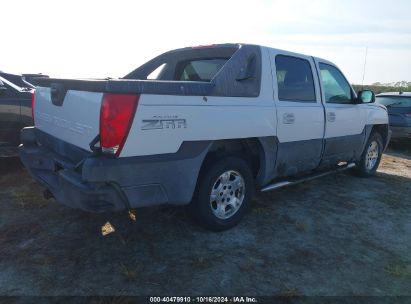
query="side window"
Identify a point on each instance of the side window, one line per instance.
(156, 73)
(295, 79)
(199, 70)
(336, 88)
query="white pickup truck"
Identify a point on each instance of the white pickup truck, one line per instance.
(204, 127)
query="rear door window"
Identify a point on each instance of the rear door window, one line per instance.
(294, 79)
(199, 70)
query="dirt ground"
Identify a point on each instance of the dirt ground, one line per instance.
(338, 235)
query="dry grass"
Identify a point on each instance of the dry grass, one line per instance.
(398, 270)
(203, 261)
(261, 208)
(395, 200)
(129, 274)
(290, 292)
(16, 239)
(302, 227)
(396, 166)
(246, 266)
(56, 250)
(29, 199)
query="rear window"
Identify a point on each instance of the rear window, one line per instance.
(395, 102)
(199, 70)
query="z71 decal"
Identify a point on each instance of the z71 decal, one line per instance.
(152, 124)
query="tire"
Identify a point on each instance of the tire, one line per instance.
(223, 194)
(371, 156)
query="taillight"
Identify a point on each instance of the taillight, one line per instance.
(116, 116)
(32, 104)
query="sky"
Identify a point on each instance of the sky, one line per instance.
(96, 39)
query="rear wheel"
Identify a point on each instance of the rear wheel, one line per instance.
(223, 194)
(371, 156)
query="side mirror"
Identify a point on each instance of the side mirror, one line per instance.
(366, 96)
(2, 90)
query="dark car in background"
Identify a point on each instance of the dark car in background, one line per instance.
(399, 112)
(15, 109)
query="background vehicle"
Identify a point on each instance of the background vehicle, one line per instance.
(15, 111)
(399, 112)
(215, 124)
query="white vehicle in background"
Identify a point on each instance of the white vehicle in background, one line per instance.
(217, 123)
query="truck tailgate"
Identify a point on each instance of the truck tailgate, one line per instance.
(75, 121)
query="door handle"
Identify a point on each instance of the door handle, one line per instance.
(331, 116)
(288, 118)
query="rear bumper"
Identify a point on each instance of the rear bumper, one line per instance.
(66, 184)
(400, 132)
(98, 183)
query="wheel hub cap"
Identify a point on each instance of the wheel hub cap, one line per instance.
(227, 194)
(372, 155)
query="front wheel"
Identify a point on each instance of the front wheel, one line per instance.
(223, 194)
(371, 156)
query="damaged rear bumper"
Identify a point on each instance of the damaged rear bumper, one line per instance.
(65, 183)
(80, 179)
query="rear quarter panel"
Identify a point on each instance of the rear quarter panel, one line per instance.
(175, 119)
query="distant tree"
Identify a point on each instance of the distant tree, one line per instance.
(377, 89)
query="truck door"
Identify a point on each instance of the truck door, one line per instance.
(300, 113)
(345, 119)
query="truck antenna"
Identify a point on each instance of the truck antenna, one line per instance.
(365, 63)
